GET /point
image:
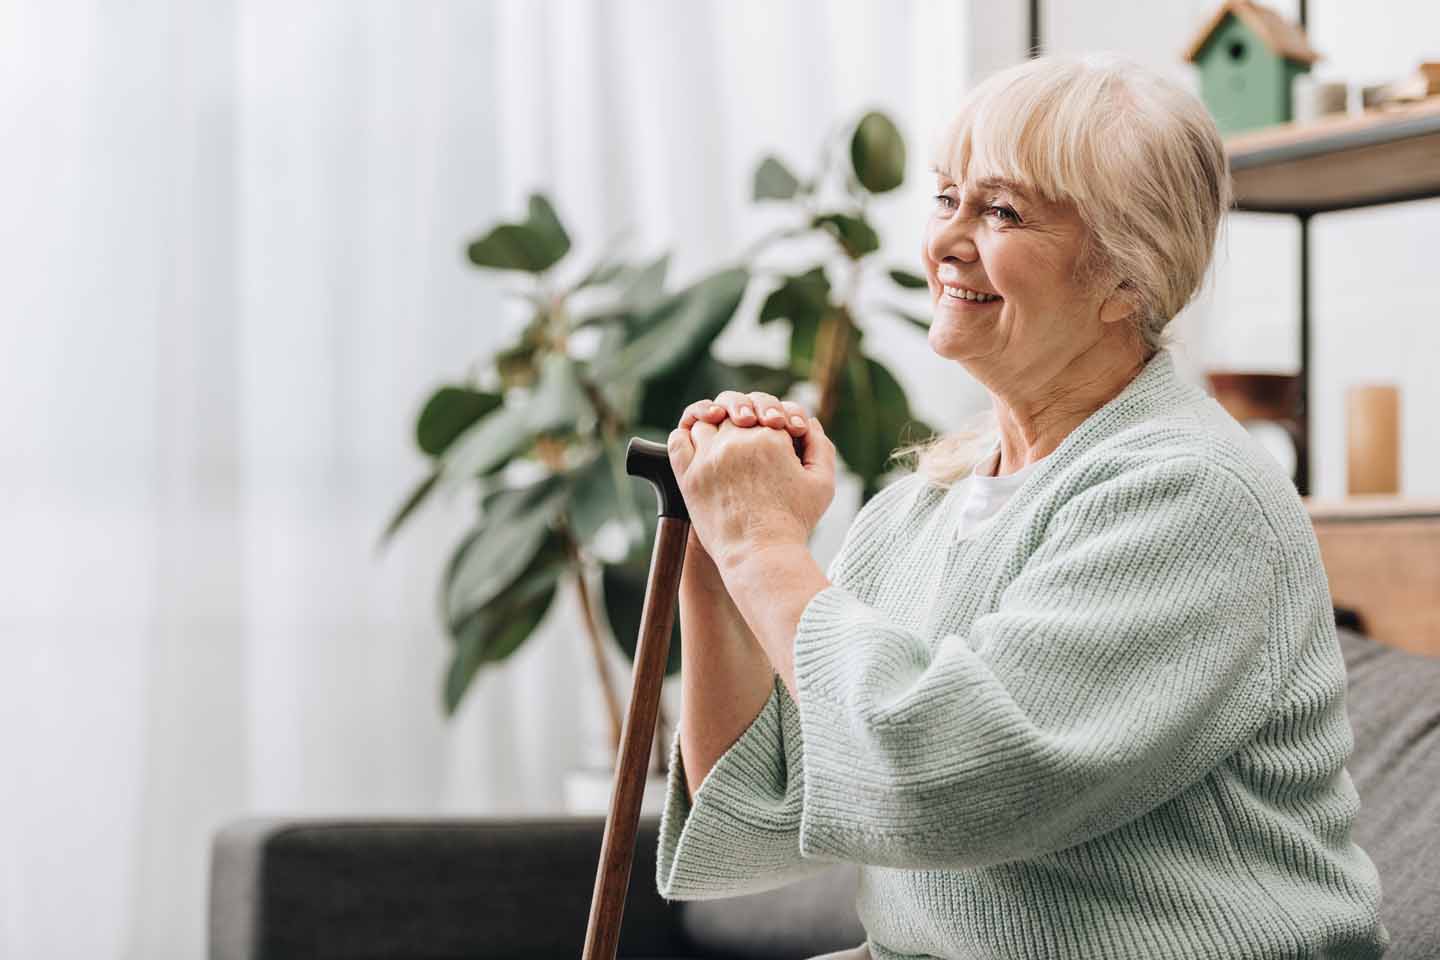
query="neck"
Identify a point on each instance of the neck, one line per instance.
(1036, 407)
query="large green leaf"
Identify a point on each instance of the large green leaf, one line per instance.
(871, 418)
(624, 587)
(558, 399)
(532, 246)
(597, 487)
(678, 329)
(802, 300)
(544, 222)
(803, 295)
(774, 181)
(645, 286)
(512, 527)
(486, 446)
(448, 413)
(855, 235)
(641, 289)
(492, 633)
(602, 273)
(412, 502)
(805, 331)
(877, 151)
(556, 404)
(908, 280)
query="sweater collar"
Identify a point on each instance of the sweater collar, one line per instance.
(1156, 388)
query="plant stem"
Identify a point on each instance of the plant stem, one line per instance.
(660, 754)
(832, 347)
(597, 646)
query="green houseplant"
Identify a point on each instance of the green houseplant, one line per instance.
(861, 403)
(610, 356)
(538, 430)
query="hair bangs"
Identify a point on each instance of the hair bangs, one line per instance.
(1015, 128)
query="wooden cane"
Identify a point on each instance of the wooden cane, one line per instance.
(651, 461)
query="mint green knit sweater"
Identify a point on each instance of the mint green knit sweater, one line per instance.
(1109, 724)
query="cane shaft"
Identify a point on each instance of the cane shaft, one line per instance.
(617, 851)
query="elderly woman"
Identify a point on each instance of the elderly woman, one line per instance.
(1071, 689)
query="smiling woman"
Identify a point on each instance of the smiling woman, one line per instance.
(1084, 701)
(1077, 206)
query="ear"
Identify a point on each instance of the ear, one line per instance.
(1122, 303)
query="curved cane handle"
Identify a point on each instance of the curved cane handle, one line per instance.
(651, 460)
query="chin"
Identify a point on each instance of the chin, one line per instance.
(948, 342)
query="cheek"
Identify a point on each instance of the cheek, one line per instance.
(1016, 272)
(927, 261)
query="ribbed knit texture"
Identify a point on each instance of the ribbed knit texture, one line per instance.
(1110, 724)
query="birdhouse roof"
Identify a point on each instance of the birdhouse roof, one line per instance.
(1279, 34)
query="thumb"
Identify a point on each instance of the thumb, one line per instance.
(819, 451)
(681, 450)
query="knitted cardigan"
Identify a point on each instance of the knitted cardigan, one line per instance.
(1109, 724)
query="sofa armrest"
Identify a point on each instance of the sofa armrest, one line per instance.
(319, 888)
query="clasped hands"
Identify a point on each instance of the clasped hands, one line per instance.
(735, 461)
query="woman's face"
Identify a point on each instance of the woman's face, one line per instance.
(991, 237)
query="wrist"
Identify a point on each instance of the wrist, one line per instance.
(771, 585)
(762, 555)
(769, 533)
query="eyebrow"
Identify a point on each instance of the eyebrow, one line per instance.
(988, 183)
(1002, 183)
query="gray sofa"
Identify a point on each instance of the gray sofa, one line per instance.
(520, 888)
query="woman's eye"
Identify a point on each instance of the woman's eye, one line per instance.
(945, 200)
(1003, 212)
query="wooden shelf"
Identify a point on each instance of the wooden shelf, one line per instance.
(1369, 507)
(1382, 559)
(1339, 163)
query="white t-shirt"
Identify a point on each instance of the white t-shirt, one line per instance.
(982, 494)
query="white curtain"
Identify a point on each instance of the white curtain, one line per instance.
(233, 240)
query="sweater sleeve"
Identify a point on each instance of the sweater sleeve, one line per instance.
(1126, 658)
(742, 833)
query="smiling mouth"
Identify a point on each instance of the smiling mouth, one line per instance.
(970, 296)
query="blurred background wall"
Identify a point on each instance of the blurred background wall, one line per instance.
(232, 242)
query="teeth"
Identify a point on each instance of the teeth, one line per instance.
(960, 293)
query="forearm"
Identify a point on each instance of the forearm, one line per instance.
(725, 676)
(771, 587)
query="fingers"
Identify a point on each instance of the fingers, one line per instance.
(706, 410)
(759, 408)
(681, 449)
(770, 410)
(797, 421)
(684, 445)
(756, 408)
(739, 407)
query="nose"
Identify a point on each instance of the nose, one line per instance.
(952, 239)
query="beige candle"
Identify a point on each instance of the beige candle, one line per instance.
(1372, 439)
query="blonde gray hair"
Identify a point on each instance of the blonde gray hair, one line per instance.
(1140, 159)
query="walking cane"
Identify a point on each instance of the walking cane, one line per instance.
(651, 461)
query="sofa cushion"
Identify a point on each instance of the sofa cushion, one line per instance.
(1393, 701)
(803, 919)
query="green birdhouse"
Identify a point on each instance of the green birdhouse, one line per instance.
(1247, 56)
